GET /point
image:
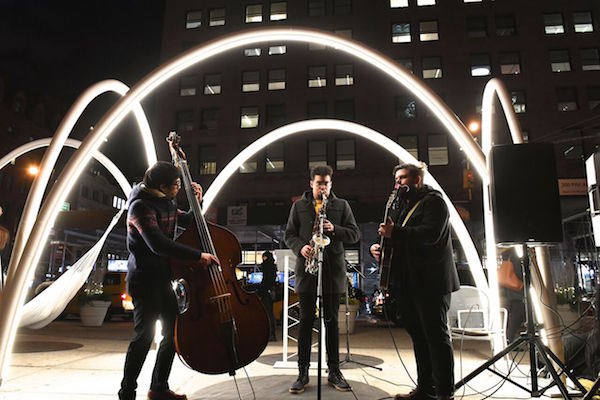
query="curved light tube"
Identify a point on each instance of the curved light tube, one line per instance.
(366, 133)
(13, 295)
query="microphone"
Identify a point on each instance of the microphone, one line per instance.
(403, 189)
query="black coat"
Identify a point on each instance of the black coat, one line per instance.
(299, 232)
(422, 259)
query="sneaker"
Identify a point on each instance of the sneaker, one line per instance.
(415, 394)
(336, 379)
(168, 395)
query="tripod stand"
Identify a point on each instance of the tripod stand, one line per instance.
(348, 358)
(535, 346)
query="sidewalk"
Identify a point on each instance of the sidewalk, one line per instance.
(66, 361)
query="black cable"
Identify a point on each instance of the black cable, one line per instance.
(396, 346)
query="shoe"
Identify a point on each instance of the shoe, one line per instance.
(336, 379)
(301, 382)
(126, 396)
(415, 394)
(450, 397)
(168, 395)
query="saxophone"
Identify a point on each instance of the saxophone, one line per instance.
(318, 240)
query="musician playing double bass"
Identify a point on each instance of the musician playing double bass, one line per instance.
(151, 221)
(340, 227)
(423, 276)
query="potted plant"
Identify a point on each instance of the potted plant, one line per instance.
(93, 305)
(353, 305)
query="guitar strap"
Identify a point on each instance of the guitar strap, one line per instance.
(410, 213)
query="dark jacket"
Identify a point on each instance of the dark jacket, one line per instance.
(269, 271)
(299, 232)
(422, 260)
(151, 223)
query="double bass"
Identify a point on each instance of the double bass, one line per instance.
(220, 326)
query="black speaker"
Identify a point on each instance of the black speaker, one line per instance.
(524, 194)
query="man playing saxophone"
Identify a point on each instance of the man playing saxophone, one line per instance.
(340, 227)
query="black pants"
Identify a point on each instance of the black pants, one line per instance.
(267, 300)
(331, 305)
(152, 301)
(425, 319)
(515, 305)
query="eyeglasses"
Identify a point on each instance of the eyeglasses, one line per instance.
(177, 184)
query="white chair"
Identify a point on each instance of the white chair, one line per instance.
(469, 316)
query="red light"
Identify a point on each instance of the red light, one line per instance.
(123, 296)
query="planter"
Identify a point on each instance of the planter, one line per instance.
(352, 313)
(93, 312)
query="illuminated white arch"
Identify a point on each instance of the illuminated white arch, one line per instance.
(14, 293)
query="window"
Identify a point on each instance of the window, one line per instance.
(432, 67)
(477, 27)
(316, 46)
(253, 13)
(406, 107)
(510, 63)
(344, 154)
(582, 22)
(410, 144)
(275, 115)
(274, 161)
(593, 97)
(406, 63)
(212, 84)
(573, 150)
(317, 153)
(249, 117)
(277, 50)
(566, 99)
(344, 75)
(560, 60)
(428, 31)
(553, 24)
(344, 109)
(85, 192)
(345, 33)
(518, 100)
(317, 109)
(341, 7)
(316, 8)
(217, 17)
(401, 32)
(505, 25)
(185, 120)
(590, 61)
(187, 86)
(437, 149)
(480, 65)
(252, 52)
(276, 79)
(250, 81)
(317, 76)
(207, 156)
(209, 118)
(193, 19)
(398, 3)
(278, 11)
(425, 3)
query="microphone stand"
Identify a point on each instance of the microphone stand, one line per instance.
(320, 296)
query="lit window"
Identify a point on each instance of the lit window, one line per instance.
(437, 149)
(398, 3)
(590, 61)
(207, 156)
(560, 60)
(406, 63)
(432, 68)
(573, 151)
(566, 99)
(401, 32)
(212, 84)
(317, 153)
(344, 75)
(428, 31)
(277, 50)
(345, 33)
(249, 117)
(553, 24)
(193, 19)
(518, 100)
(593, 97)
(316, 7)
(254, 13)
(250, 81)
(187, 86)
(217, 17)
(406, 107)
(252, 52)
(341, 7)
(185, 120)
(344, 109)
(275, 115)
(317, 76)
(317, 109)
(410, 144)
(480, 65)
(209, 118)
(276, 79)
(274, 161)
(582, 22)
(510, 63)
(278, 11)
(477, 27)
(345, 154)
(505, 25)
(471, 1)
(426, 3)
